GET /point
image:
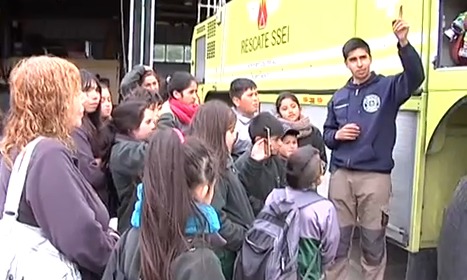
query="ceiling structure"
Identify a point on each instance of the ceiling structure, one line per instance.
(171, 11)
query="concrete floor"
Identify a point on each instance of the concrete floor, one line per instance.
(396, 265)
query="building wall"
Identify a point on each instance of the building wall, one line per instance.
(104, 32)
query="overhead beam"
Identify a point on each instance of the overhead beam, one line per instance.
(81, 9)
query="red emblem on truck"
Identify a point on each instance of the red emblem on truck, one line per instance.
(262, 15)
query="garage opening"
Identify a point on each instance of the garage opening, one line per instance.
(88, 33)
(95, 35)
(452, 45)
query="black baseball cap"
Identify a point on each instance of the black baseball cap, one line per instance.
(259, 123)
(288, 130)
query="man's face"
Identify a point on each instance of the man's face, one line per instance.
(248, 103)
(359, 62)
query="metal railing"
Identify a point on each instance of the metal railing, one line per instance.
(208, 8)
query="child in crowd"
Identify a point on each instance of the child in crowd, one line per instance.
(153, 99)
(289, 142)
(179, 109)
(259, 171)
(173, 226)
(319, 230)
(106, 98)
(214, 123)
(141, 75)
(244, 96)
(290, 112)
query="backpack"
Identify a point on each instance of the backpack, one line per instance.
(271, 245)
(125, 262)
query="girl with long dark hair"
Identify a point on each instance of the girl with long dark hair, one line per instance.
(215, 124)
(173, 225)
(106, 99)
(86, 137)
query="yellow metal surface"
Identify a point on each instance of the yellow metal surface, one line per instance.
(446, 158)
(418, 179)
(298, 48)
(292, 50)
(413, 104)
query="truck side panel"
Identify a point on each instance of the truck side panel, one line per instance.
(275, 42)
(374, 24)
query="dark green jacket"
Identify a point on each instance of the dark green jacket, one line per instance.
(126, 166)
(169, 120)
(231, 201)
(131, 80)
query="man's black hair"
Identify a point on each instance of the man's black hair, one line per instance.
(239, 86)
(353, 44)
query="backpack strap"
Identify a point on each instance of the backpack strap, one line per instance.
(17, 180)
(308, 198)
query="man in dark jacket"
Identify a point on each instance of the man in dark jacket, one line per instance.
(360, 129)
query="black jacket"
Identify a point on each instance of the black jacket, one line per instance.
(169, 120)
(260, 178)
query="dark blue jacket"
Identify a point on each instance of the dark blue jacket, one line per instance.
(373, 106)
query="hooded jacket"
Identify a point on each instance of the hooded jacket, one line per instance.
(373, 106)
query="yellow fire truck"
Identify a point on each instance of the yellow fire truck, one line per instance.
(295, 45)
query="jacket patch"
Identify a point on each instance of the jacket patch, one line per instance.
(371, 103)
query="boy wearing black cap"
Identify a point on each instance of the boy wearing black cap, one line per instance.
(289, 141)
(261, 169)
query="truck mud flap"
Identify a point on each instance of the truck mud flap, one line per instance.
(452, 245)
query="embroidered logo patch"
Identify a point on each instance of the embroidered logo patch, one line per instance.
(371, 103)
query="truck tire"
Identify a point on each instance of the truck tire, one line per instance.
(452, 245)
